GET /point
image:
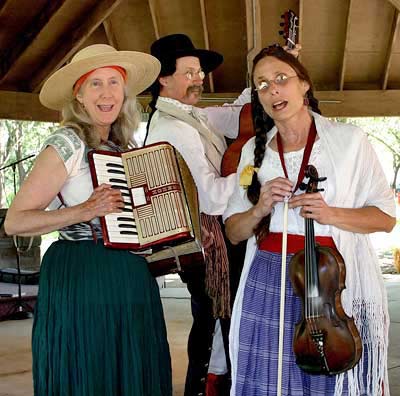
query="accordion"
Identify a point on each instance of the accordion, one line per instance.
(161, 218)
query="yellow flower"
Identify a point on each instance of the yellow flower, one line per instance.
(247, 176)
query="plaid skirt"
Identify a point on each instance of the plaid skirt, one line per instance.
(259, 337)
(98, 328)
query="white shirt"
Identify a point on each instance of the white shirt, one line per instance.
(214, 190)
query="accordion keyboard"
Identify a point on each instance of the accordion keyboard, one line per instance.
(121, 226)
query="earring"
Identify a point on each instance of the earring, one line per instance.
(306, 101)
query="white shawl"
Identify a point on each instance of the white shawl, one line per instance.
(359, 181)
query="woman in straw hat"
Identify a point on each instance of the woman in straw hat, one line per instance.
(99, 326)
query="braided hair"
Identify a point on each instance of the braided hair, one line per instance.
(264, 123)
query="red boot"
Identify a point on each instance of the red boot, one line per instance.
(217, 385)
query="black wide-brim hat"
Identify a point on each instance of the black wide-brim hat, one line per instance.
(169, 48)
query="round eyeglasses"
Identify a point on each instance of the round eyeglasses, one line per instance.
(191, 74)
(280, 79)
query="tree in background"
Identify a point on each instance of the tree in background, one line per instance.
(19, 139)
(385, 130)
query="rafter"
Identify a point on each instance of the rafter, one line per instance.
(10, 57)
(253, 27)
(206, 39)
(154, 18)
(73, 40)
(362, 103)
(396, 3)
(301, 24)
(359, 103)
(346, 47)
(2, 4)
(389, 55)
(110, 33)
(25, 106)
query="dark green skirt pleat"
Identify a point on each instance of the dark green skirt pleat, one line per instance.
(99, 328)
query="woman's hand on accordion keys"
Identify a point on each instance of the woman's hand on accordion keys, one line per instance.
(104, 200)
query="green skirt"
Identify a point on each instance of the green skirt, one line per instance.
(99, 328)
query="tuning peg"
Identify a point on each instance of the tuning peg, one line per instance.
(282, 24)
(303, 186)
(281, 32)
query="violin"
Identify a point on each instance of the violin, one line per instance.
(326, 340)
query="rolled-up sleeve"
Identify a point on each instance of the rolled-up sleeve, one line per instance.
(225, 118)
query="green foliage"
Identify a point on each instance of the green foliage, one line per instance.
(385, 131)
(19, 139)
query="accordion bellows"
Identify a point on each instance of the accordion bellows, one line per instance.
(161, 216)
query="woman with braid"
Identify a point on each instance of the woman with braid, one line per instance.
(356, 201)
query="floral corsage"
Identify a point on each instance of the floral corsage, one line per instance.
(247, 176)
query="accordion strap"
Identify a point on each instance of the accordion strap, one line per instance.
(176, 256)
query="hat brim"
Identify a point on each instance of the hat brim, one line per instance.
(142, 69)
(209, 60)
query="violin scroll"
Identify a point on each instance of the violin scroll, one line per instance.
(312, 174)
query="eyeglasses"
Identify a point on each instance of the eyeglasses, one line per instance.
(280, 79)
(190, 74)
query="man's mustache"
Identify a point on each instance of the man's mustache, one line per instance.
(195, 89)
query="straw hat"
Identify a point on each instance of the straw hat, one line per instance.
(142, 69)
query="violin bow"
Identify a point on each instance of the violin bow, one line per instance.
(290, 25)
(282, 299)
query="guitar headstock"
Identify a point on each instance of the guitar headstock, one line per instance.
(290, 27)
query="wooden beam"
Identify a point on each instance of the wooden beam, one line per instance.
(110, 33)
(25, 106)
(154, 18)
(374, 103)
(395, 3)
(254, 39)
(206, 39)
(11, 55)
(73, 39)
(359, 103)
(301, 23)
(2, 4)
(346, 47)
(389, 55)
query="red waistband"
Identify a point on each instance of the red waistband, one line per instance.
(273, 242)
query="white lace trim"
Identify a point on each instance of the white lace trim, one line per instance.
(180, 105)
(293, 159)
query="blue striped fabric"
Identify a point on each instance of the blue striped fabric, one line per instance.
(259, 334)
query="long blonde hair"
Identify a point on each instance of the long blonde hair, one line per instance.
(75, 116)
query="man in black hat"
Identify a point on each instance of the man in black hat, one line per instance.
(199, 137)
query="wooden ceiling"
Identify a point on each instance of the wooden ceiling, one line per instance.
(350, 47)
